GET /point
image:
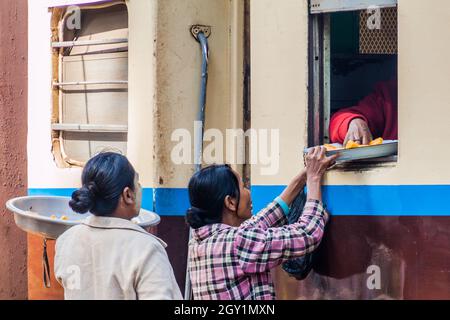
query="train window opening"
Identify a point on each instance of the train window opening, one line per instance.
(353, 59)
(90, 81)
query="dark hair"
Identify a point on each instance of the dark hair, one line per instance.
(207, 191)
(104, 178)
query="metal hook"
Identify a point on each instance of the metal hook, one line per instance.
(197, 28)
(46, 266)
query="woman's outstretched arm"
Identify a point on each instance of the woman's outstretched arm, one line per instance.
(294, 187)
(262, 249)
(274, 214)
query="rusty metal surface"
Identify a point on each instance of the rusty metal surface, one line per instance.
(412, 253)
(13, 156)
(36, 289)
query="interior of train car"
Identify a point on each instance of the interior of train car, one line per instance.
(359, 60)
(351, 51)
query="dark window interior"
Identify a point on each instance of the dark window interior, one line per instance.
(346, 63)
(353, 75)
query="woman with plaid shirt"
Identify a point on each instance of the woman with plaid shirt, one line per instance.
(231, 252)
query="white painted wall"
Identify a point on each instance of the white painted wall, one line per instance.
(42, 170)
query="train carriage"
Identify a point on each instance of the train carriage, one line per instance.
(128, 78)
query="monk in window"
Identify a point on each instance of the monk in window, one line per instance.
(374, 116)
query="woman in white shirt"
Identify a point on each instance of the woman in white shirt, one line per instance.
(108, 256)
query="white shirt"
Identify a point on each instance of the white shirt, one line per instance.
(111, 258)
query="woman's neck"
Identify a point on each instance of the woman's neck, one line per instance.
(123, 214)
(231, 219)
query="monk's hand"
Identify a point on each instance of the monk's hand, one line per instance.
(358, 131)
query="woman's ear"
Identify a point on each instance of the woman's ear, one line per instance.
(230, 203)
(128, 196)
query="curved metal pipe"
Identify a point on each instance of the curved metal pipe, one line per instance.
(198, 144)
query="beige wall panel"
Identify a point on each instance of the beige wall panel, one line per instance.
(178, 76)
(423, 75)
(279, 71)
(279, 91)
(142, 87)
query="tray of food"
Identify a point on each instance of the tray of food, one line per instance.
(50, 216)
(354, 151)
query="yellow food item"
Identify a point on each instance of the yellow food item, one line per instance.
(329, 147)
(352, 144)
(376, 141)
(53, 217)
(64, 218)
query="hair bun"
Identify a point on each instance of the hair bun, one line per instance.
(83, 199)
(92, 187)
(195, 210)
(195, 217)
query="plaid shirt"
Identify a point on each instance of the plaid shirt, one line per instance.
(233, 263)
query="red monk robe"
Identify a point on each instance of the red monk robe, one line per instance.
(378, 109)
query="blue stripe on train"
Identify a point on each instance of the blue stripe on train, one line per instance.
(402, 200)
(164, 201)
(147, 195)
